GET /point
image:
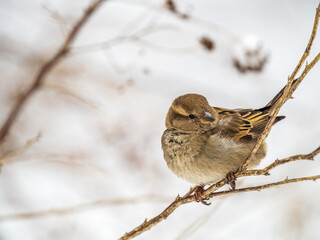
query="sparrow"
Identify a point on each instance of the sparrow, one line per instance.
(203, 144)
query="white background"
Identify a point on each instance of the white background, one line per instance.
(101, 113)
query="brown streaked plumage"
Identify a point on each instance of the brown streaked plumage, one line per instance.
(202, 144)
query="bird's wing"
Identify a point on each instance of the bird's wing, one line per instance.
(243, 124)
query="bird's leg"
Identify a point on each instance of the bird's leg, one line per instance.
(231, 180)
(198, 195)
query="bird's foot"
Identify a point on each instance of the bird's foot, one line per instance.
(198, 195)
(231, 180)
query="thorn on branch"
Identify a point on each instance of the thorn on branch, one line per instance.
(178, 197)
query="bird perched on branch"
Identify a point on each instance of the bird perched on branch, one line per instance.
(204, 144)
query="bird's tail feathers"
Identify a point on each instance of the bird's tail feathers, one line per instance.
(278, 96)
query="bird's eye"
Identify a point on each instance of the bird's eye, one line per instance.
(191, 116)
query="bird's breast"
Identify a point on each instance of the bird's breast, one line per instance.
(203, 158)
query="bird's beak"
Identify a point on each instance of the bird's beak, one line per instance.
(207, 118)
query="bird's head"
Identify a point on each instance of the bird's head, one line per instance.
(191, 112)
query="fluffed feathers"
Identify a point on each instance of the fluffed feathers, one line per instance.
(202, 144)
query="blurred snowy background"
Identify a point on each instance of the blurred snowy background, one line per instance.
(98, 171)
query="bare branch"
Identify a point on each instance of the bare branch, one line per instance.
(276, 163)
(72, 93)
(45, 69)
(17, 152)
(309, 45)
(288, 90)
(57, 17)
(265, 186)
(82, 207)
(137, 37)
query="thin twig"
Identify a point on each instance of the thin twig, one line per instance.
(137, 37)
(62, 24)
(289, 89)
(265, 186)
(45, 69)
(276, 163)
(81, 207)
(17, 152)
